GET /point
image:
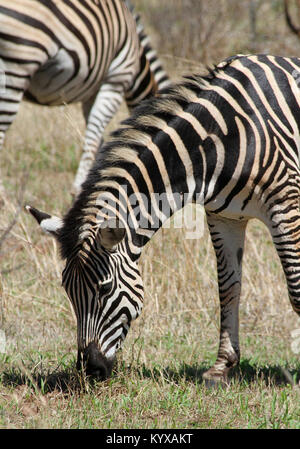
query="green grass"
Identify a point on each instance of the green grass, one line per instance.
(158, 380)
(38, 394)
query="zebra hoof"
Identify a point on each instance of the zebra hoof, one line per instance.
(215, 378)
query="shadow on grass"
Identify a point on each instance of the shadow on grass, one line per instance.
(246, 373)
(271, 375)
(71, 381)
(68, 382)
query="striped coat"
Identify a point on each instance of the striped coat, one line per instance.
(228, 141)
(59, 52)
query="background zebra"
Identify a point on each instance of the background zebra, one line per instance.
(54, 53)
(229, 141)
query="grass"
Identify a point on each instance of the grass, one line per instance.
(158, 381)
(140, 396)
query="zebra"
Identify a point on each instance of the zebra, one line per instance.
(289, 21)
(93, 52)
(228, 140)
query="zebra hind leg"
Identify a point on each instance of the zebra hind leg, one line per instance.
(228, 241)
(98, 112)
(10, 100)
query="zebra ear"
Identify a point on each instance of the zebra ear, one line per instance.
(49, 223)
(111, 233)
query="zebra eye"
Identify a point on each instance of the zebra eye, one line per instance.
(105, 287)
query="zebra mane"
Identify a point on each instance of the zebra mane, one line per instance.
(124, 147)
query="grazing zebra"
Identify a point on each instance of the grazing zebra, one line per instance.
(93, 52)
(229, 141)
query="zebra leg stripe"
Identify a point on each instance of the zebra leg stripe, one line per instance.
(106, 104)
(2, 190)
(286, 238)
(10, 102)
(228, 241)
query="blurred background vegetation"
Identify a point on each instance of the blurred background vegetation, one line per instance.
(188, 33)
(159, 379)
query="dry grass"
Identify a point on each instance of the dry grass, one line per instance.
(158, 382)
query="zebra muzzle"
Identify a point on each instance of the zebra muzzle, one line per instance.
(93, 362)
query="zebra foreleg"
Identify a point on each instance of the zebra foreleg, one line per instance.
(97, 114)
(285, 230)
(228, 241)
(2, 190)
(10, 99)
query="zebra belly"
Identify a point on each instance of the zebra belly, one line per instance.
(58, 80)
(238, 208)
(234, 212)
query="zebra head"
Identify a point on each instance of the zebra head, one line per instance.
(106, 292)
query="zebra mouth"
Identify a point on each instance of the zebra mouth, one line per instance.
(94, 363)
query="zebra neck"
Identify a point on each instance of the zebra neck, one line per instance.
(141, 195)
(141, 214)
(153, 165)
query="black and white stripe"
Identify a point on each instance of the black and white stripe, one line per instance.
(229, 141)
(86, 51)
